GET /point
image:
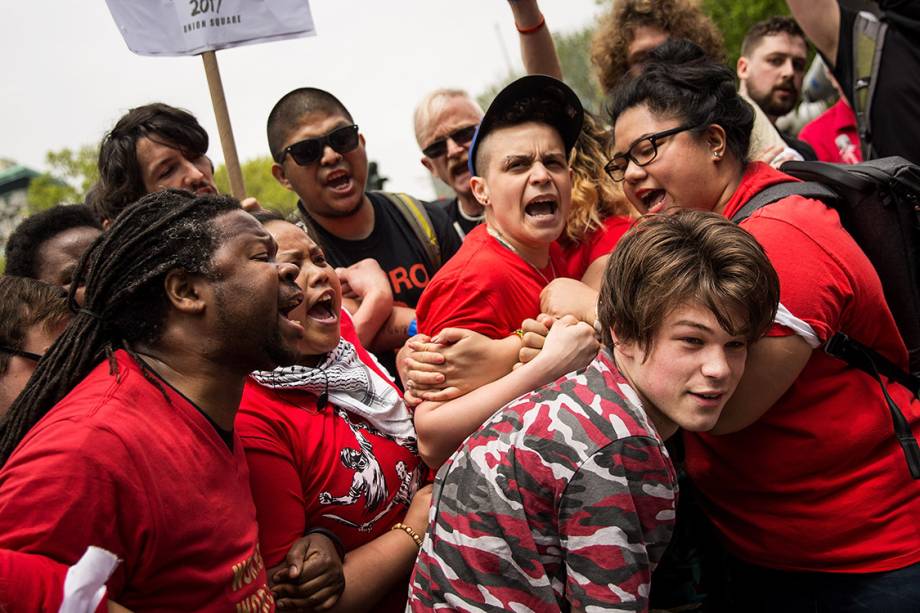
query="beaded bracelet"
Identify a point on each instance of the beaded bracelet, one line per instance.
(410, 532)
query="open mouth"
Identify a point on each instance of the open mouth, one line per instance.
(323, 310)
(338, 179)
(459, 169)
(541, 206)
(285, 311)
(652, 197)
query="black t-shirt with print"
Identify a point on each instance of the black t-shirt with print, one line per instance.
(461, 224)
(895, 116)
(395, 246)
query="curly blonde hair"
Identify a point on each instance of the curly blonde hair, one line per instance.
(678, 18)
(595, 196)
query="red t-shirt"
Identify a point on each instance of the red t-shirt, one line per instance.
(833, 135)
(819, 482)
(579, 256)
(306, 468)
(486, 288)
(115, 465)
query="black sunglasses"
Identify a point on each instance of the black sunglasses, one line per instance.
(462, 137)
(307, 151)
(23, 354)
(641, 152)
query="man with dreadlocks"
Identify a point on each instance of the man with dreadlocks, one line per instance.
(123, 438)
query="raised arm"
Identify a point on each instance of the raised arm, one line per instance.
(538, 52)
(820, 20)
(366, 286)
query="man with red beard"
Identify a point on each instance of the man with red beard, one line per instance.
(771, 70)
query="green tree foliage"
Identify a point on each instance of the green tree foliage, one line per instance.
(574, 50)
(260, 184)
(72, 173)
(734, 18)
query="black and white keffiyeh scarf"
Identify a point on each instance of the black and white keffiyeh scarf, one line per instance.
(352, 385)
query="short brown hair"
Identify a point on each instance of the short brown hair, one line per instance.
(24, 303)
(668, 260)
(779, 24)
(678, 18)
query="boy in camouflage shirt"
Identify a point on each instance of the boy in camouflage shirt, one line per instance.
(565, 498)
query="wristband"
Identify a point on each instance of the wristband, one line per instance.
(339, 548)
(532, 29)
(413, 328)
(410, 532)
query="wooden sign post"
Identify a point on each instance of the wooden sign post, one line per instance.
(224, 128)
(200, 27)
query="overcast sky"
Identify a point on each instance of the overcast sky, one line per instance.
(68, 75)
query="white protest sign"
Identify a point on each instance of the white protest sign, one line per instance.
(190, 27)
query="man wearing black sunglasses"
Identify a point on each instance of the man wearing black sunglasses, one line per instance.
(32, 316)
(445, 122)
(319, 154)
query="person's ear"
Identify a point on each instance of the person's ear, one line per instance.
(480, 189)
(185, 291)
(628, 350)
(280, 176)
(427, 164)
(741, 68)
(716, 141)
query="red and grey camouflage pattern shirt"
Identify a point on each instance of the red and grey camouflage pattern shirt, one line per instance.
(563, 500)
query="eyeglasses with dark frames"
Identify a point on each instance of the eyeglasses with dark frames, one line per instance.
(35, 357)
(641, 152)
(462, 137)
(309, 150)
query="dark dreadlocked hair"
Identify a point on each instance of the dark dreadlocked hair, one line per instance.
(123, 273)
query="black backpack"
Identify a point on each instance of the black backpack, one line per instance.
(879, 205)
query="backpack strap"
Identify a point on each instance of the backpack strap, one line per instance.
(868, 40)
(806, 189)
(417, 218)
(873, 363)
(840, 345)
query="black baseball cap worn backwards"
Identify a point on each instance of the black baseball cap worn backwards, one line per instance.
(542, 93)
